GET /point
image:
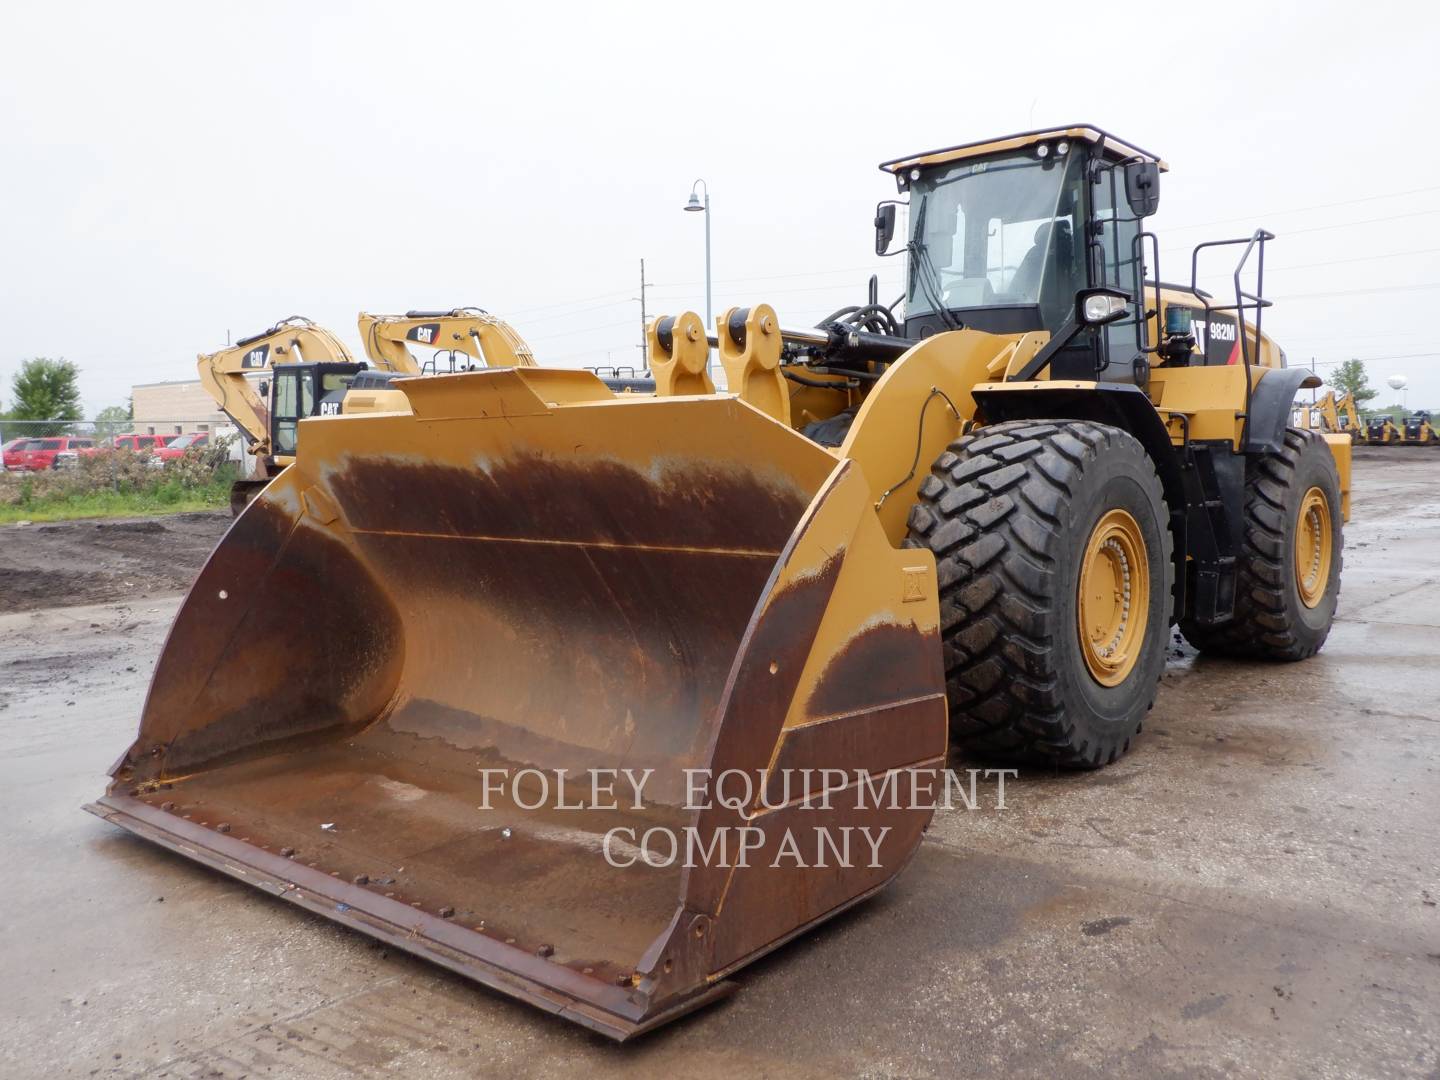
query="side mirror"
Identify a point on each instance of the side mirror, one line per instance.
(1096, 307)
(1142, 187)
(884, 227)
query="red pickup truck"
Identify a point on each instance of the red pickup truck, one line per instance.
(35, 455)
(180, 443)
(140, 444)
(13, 453)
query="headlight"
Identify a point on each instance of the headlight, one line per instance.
(1100, 306)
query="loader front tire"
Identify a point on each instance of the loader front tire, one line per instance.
(1053, 557)
(1288, 577)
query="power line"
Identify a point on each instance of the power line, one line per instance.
(1360, 258)
(1304, 209)
(786, 292)
(580, 330)
(1369, 359)
(873, 269)
(1366, 221)
(1358, 292)
(567, 303)
(565, 309)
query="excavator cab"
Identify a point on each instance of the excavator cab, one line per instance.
(298, 391)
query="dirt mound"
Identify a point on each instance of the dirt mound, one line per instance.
(87, 562)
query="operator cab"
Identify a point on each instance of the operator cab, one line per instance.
(298, 391)
(1006, 236)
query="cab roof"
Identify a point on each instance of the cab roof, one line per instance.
(1110, 144)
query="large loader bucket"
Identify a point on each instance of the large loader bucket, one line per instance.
(368, 698)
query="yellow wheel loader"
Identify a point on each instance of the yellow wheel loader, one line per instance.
(596, 697)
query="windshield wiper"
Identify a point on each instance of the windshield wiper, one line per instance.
(932, 285)
(929, 277)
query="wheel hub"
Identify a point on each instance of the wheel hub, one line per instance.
(1114, 597)
(1313, 547)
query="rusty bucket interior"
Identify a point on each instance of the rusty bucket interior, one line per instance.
(367, 700)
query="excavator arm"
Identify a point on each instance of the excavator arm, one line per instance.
(1346, 404)
(224, 373)
(473, 332)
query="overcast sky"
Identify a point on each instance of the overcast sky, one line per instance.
(174, 172)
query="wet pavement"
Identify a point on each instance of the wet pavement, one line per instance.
(1251, 892)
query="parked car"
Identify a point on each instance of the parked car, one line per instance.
(13, 453)
(140, 444)
(179, 444)
(52, 452)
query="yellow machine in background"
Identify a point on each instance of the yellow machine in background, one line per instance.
(977, 517)
(465, 337)
(313, 374)
(1382, 431)
(1348, 417)
(1417, 430)
(305, 364)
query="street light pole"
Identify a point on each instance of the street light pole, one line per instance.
(695, 205)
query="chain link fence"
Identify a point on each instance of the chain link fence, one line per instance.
(47, 462)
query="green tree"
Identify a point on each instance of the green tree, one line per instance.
(111, 421)
(46, 389)
(1350, 378)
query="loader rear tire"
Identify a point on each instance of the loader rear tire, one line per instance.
(1292, 516)
(1024, 518)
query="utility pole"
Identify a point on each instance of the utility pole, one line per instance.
(644, 324)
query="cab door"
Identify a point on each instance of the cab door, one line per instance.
(1115, 263)
(292, 399)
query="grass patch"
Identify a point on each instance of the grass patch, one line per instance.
(43, 498)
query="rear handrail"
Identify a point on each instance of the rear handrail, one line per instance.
(1244, 301)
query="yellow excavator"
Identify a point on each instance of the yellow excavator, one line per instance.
(465, 338)
(305, 365)
(311, 373)
(1348, 417)
(743, 626)
(1335, 416)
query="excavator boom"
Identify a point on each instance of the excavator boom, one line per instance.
(224, 373)
(472, 332)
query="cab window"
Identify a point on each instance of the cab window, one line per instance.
(294, 399)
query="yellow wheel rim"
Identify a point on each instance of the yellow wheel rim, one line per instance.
(1313, 547)
(1114, 602)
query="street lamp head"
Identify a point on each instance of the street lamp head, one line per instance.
(694, 203)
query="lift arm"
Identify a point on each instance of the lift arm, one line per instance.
(472, 331)
(223, 374)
